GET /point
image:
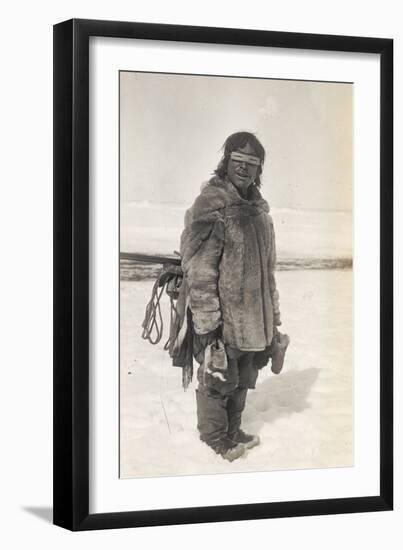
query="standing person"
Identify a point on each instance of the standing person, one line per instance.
(229, 291)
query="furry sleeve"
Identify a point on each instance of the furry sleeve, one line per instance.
(201, 249)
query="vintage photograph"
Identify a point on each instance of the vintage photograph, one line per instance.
(236, 274)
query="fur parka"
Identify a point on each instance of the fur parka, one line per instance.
(228, 260)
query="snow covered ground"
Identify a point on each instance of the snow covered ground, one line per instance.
(303, 416)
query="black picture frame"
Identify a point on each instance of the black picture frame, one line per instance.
(72, 285)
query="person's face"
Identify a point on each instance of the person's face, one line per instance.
(240, 172)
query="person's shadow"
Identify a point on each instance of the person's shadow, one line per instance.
(279, 396)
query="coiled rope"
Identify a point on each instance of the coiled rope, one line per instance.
(168, 280)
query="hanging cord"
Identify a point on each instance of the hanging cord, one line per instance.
(153, 316)
(162, 379)
(169, 279)
(174, 318)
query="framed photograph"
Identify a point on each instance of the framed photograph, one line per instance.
(223, 274)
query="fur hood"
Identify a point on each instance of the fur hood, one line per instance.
(216, 194)
(218, 199)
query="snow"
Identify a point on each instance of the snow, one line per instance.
(303, 416)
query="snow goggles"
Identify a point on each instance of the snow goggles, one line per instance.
(249, 159)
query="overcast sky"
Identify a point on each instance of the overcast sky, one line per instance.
(173, 128)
